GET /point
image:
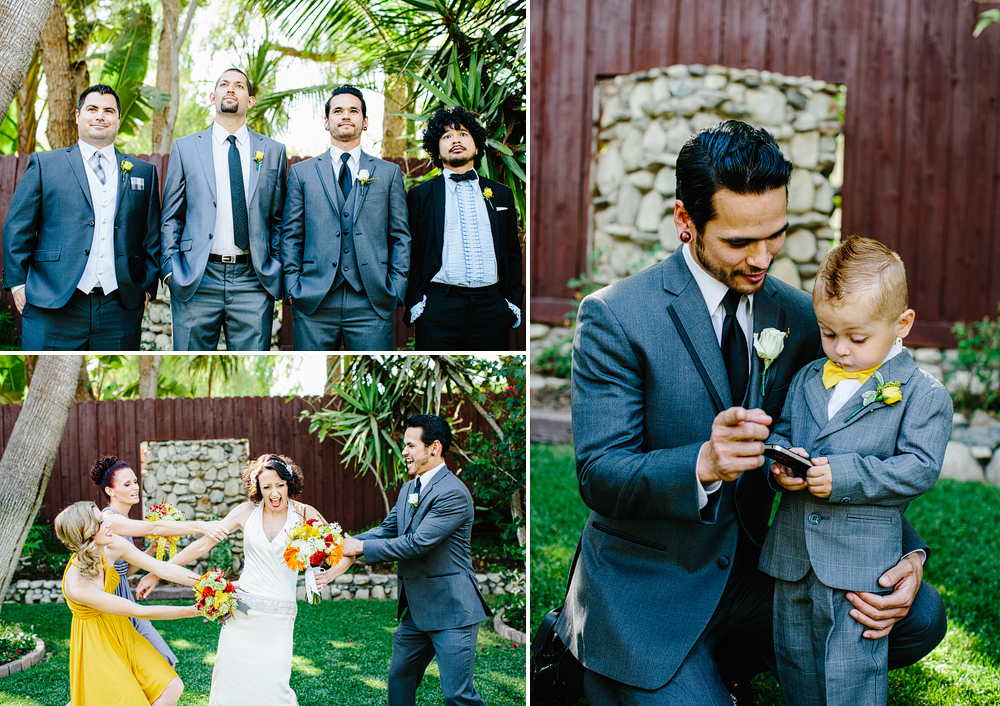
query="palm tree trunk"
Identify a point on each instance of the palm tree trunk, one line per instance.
(31, 452)
(54, 47)
(149, 376)
(394, 126)
(168, 74)
(20, 26)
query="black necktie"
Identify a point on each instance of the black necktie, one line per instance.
(416, 487)
(467, 176)
(345, 176)
(734, 348)
(241, 227)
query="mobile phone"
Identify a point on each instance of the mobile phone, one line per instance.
(797, 464)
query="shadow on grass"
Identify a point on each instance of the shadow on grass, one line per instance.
(341, 655)
(960, 522)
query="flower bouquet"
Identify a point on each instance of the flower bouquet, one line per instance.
(311, 543)
(164, 511)
(217, 599)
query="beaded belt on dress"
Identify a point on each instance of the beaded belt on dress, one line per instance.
(269, 605)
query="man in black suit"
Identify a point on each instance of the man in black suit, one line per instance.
(465, 287)
(82, 238)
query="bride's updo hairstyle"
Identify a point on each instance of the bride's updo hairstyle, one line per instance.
(76, 527)
(104, 471)
(282, 465)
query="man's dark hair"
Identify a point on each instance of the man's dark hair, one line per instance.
(731, 155)
(432, 428)
(350, 90)
(239, 71)
(448, 119)
(104, 90)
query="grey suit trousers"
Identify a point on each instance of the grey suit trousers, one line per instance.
(344, 316)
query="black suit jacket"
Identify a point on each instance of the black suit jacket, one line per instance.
(50, 229)
(425, 204)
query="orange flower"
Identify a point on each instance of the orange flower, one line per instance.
(291, 559)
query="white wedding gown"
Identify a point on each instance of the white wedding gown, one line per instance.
(254, 660)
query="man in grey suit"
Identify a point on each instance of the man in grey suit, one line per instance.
(82, 238)
(668, 415)
(222, 203)
(346, 241)
(876, 428)
(428, 533)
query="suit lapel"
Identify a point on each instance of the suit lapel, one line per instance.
(818, 397)
(426, 495)
(123, 184)
(365, 162)
(75, 158)
(899, 369)
(204, 147)
(325, 169)
(437, 201)
(491, 210)
(256, 145)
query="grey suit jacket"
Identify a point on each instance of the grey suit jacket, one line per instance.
(432, 545)
(189, 207)
(50, 228)
(648, 379)
(310, 241)
(880, 459)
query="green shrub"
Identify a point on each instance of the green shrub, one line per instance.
(15, 642)
(979, 356)
(556, 360)
(43, 556)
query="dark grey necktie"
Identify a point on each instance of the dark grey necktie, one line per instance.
(241, 227)
(345, 176)
(416, 486)
(734, 348)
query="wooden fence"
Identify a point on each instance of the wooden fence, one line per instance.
(922, 168)
(270, 424)
(12, 168)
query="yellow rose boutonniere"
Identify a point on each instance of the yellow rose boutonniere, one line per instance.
(126, 168)
(488, 195)
(258, 157)
(884, 392)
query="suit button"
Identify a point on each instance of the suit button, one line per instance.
(91, 223)
(723, 562)
(346, 250)
(844, 501)
(86, 252)
(209, 236)
(814, 519)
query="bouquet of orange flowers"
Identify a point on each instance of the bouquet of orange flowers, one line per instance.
(164, 511)
(217, 599)
(310, 544)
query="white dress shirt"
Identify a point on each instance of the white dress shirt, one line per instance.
(353, 163)
(425, 478)
(100, 269)
(223, 243)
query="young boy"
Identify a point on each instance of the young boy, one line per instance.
(875, 428)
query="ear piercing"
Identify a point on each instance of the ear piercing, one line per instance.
(685, 237)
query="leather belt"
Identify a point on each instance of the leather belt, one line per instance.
(229, 259)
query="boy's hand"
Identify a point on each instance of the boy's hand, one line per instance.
(783, 475)
(820, 478)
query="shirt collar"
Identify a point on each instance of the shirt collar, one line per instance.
(425, 478)
(451, 183)
(896, 349)
(711, 289)
(87, 150)
(221, 134)
(335, 153)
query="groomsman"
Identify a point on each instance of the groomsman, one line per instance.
(82, 238)
(465, 286)
(428, 533)
(222, 203)
(345, 244)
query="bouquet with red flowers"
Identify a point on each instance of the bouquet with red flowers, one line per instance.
(164, 511)
(217, 599)
(310, 544)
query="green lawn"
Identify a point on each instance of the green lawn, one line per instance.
(959, 521)
(342, 652)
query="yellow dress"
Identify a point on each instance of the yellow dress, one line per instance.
(110, 663)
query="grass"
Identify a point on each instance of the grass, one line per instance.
(959, 521)
(341, 656)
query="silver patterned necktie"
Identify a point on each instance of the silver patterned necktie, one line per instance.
(95, 163)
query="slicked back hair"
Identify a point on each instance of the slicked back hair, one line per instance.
(432, 428)
(863, 266)
(239, 71)
(350, 90)
(104, 90)
(733, 156)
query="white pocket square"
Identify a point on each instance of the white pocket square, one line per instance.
(138, 183)
(501, 208)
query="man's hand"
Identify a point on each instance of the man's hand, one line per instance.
(146, 584)
(880, 613)
(19, 299)
(820, 478)
(147, 301)
(736, 444)
(353, 547)
(166, 280)
(784, 476)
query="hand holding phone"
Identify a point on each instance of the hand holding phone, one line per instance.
(795, 463)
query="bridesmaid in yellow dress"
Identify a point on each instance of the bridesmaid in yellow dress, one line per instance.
(110, 664)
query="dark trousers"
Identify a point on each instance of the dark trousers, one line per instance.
(87, 322)
(464, 319)
(412, 651)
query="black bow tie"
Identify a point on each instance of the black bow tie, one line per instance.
(468, 176)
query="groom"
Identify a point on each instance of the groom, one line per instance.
(428, 532)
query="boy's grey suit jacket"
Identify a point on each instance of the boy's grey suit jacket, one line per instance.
(311, 236)
(432, 547)
(880, 459)
(648, 380)
(189, 208)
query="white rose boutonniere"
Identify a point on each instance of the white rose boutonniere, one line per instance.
(364, 178)
(414, 500)
(768, 344)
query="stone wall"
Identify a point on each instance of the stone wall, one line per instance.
(156, 325)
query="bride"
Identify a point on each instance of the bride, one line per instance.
(253, 662)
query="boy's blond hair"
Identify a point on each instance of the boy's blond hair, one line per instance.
(863, 266)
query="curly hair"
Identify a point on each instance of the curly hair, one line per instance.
(105, 470)
(453, 118)
(282, 465)
(76, 526)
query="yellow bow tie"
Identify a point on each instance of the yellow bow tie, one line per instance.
(833, 373)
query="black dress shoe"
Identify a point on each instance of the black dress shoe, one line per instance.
(741, 693)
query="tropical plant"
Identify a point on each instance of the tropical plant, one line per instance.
(125, 70)
(13, 379)
(212, 366)
(20, 26)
